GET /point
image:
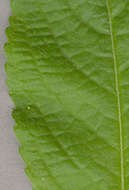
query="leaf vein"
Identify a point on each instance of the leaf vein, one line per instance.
(117, 88)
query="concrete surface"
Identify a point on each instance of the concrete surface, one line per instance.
(12, 176)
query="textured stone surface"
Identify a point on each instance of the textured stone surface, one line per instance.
(12, 175)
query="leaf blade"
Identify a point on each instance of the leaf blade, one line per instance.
(65, 75)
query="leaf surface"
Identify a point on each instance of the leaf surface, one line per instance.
(68, 75)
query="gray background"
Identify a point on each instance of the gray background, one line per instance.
(12, 176)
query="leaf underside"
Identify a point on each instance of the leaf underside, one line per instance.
(68, 75)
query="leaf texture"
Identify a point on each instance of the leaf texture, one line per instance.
(68, 75)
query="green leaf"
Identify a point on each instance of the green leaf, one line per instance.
(68, 75)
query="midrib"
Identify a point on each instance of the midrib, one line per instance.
(117, 94)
